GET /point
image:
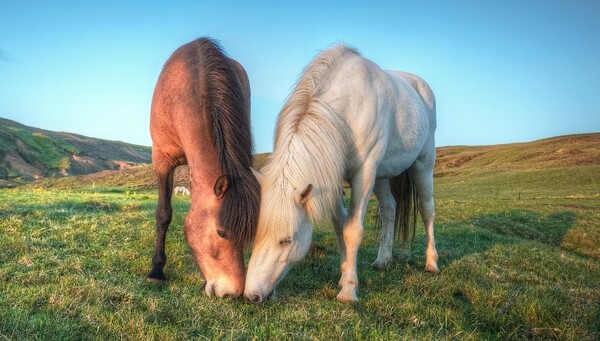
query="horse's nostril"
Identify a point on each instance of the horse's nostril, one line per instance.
(209, 289)
(254, 298)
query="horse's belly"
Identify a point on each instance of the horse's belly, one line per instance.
(395, 163)
(402, 150)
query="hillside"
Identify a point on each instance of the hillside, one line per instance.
(561, 151)
(28, 153)
(457, 163)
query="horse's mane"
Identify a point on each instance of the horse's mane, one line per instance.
(225, 103)
(310, 139)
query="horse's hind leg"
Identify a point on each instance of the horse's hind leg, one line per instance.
(386, 208)
(422, 174)
(164, 212)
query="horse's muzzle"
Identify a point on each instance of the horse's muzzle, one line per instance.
(256, 297)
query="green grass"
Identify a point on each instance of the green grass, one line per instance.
(519, 258)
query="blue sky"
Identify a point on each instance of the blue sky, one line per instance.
(506, 71)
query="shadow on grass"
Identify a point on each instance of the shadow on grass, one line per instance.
(495, 281)
(460, 239)
(529, 225)
(321, 267)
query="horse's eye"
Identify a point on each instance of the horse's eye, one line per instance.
(223, 234)
(285, 241)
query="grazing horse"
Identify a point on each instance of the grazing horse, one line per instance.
(181, 190)
(349, 120)
(200, 116)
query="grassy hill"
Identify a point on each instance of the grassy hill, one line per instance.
(561, 151)
(454, 164)
(560, 167)
(28, 154)
(137, 177)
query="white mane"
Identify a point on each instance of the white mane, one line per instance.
(305, 125)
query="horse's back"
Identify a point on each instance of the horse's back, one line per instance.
(181, 123)
(407, 119)
(423, 102)
(390, 114)
(175, 101)
(422, 88)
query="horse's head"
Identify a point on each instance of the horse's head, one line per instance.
(283, 237)
(219, 257)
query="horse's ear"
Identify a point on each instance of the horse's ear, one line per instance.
(302, 197)
(221, 186)
(257, 175)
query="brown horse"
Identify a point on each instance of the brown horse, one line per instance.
(200, 116)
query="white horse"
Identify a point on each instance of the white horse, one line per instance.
(181, 190)
(346, 119)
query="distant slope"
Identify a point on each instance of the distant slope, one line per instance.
(555, 152)
(28, 154)
(260, 160)
(452, 162)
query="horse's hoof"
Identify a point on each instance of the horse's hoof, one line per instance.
(154, 280)
(432, 268)
(348, 295)
(347, 298)
(151, 278)
(380, 265)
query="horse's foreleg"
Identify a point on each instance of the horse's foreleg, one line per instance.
(338, 219)
(164, 212)
(362, 184)
(386, 208)
(422, 174)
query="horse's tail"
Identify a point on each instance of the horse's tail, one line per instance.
(230, 116)
(407, 204)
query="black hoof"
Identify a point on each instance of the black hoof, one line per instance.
(155, 278)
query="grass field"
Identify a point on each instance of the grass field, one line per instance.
(519, 257)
